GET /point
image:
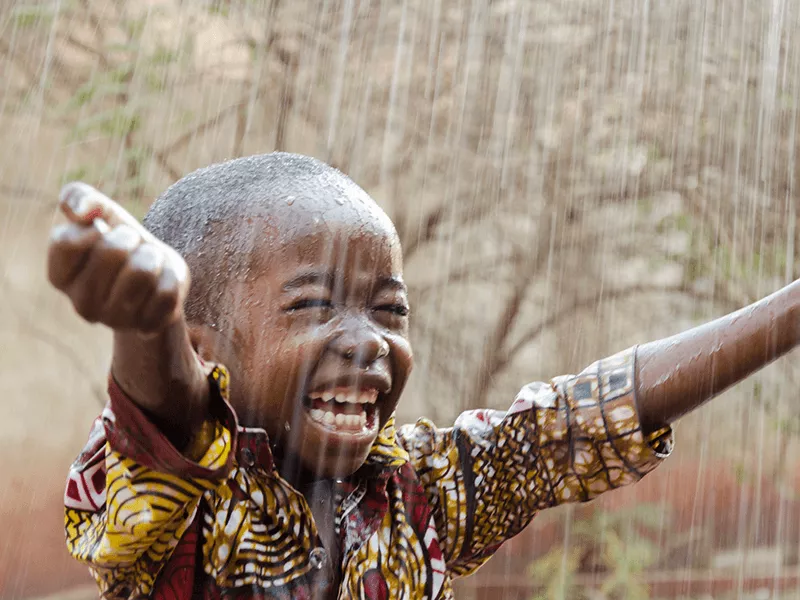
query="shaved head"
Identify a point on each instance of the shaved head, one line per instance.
(215, 216)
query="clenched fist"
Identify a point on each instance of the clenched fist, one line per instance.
(113, 270)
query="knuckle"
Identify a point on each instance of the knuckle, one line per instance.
(59, 234)
(147, 258)
(141, 280)
(145, 263)
(56, 272)
(57, 280)
(172, 281)
(110, 255)
(65, 239)
(122, 238)
(86, 310)
(168, 285)
(166, 301)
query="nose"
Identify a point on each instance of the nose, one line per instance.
(360, 343)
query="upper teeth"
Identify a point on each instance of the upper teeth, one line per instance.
(350, 396)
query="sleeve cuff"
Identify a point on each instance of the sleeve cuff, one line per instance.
(132, 434)
(603, 403)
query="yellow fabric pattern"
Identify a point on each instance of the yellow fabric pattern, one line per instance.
(430, 504)
(568, 441)
(145, 514)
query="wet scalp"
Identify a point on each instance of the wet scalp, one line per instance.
(205, 215)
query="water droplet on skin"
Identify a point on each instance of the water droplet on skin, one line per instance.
(290, 200)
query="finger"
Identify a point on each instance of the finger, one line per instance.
(179, 270)
(135, 284)
(70, 245)
(90, 288)
(163, 307)
(81, 203)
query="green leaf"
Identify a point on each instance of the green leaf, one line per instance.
(163, 56)
(219, 8)
(134, 27)
(156, 82)
(120, 74)
(138, 155)
(80, 173)
(29, 16)
(557, 569)
(126, 47)
(93, 90)
(117, 121)
(130, 187)
(83, 95)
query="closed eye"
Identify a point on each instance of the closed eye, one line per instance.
(398, 309)
(310, 303)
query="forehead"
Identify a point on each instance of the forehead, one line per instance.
(346, 239)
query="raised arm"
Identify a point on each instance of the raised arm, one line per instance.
(678, 374)
(116, 273)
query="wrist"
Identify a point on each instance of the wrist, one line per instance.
(162, 374)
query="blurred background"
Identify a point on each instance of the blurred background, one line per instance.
(568, 177)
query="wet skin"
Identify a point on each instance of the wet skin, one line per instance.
(677, 374)
(324, 308)
(286, 341)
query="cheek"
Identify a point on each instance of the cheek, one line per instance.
(303, 345)
(401, 349)
(285, 355)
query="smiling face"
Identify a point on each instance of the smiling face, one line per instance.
(319, 353)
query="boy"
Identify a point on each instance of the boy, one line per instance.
(293, 481)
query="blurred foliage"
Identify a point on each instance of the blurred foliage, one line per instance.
(615, 545)
(566, 176)
(130, 78)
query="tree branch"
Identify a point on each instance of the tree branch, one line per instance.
(201, 128)
(428, 230)
(496, 341)
(163, 161)
(22, 193)
(31, 72)
(32, 327)
(71, 39)
(505, 359)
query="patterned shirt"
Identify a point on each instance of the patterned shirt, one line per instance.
(428, 505)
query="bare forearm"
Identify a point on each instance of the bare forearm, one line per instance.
(163, 376)
(680, 373)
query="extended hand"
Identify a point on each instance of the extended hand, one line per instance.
(113, 270)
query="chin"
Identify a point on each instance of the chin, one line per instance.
(329, 453)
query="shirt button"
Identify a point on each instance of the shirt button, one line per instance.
(246, 457)
(317, 558)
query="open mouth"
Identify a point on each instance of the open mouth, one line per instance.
(344, 410)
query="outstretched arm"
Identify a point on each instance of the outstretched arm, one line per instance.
(678, 374)
(116, 273)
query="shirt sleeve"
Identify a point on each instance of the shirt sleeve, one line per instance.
(566, 441)
(131, 495)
